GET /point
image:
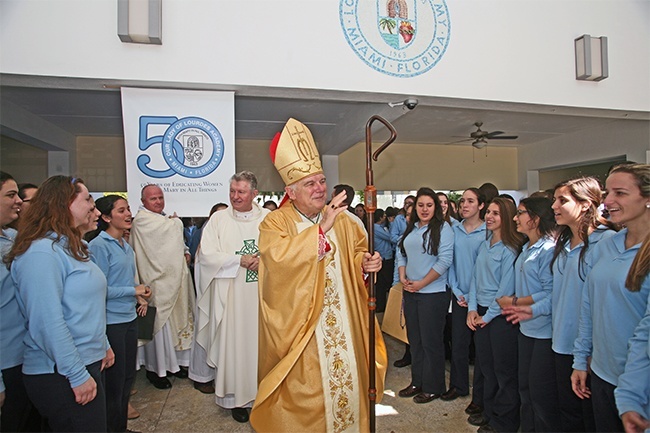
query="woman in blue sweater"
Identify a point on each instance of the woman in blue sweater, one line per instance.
(496, 339)
(116, 259)
(64, 303)
(534, 286)
(610, 312)
(424, 254)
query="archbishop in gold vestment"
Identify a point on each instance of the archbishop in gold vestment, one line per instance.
(313, 314)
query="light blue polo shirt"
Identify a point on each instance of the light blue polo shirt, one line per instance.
(418, 262)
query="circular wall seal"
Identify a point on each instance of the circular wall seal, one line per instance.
(193, 147)
(403, 38)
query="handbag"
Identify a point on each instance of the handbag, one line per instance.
(394, 323)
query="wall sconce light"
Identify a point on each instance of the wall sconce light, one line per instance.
(591, 58)
(140, 21)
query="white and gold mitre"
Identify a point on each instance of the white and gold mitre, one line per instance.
(294, 153)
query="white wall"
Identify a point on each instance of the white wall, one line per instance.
(500, 50)
(578, 149)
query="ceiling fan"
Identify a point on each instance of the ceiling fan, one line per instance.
(479, 138)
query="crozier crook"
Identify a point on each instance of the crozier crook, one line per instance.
(370, 202)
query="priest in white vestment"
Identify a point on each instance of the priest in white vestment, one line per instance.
(226, 277)
(162, 262)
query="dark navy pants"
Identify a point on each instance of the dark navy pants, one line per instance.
(461, 339)
(537, 385)
(119, 378)
(53, 397)
(425, 326)
(496, 347)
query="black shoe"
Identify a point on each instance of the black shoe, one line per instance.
(402, 362)
(410, 391)
(452, 394)
(240, 414)
(157, 381)
(204, 387)
(182, 373)
(477, 420)
(425, 397)
(487, 428)
(473, 409)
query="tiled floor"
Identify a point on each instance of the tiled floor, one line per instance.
(183, 409)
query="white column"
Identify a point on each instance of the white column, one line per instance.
(532, 181)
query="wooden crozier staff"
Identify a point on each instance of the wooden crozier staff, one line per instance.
(370, 201)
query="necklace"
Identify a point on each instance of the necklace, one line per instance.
(309, 219)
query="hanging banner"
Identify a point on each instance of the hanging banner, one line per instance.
(183, 141)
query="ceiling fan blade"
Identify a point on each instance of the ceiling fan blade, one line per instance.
(460, 141)
(493, 133)
(504, 137)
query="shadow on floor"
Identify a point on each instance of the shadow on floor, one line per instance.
(184, 409)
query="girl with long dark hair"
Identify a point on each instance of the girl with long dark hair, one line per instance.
(116, 259)
(534, 286)
(580, 228)
(447, 211)
(469, 234)
(496, 338)
(610, 312)
(424, 255)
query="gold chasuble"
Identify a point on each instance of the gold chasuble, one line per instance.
(313, 340)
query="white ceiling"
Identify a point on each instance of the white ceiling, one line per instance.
(336, 119)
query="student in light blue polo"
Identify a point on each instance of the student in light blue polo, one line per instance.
(575, 205)
(62, 295)
(633, 391)
(610, 312)
(580, 228)
(396, 229)
(534, 286)
(469, 234)
(424, 255)
(496, 338)
(115, 257)
(16, 412)
(386, 250)
(448, 213)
